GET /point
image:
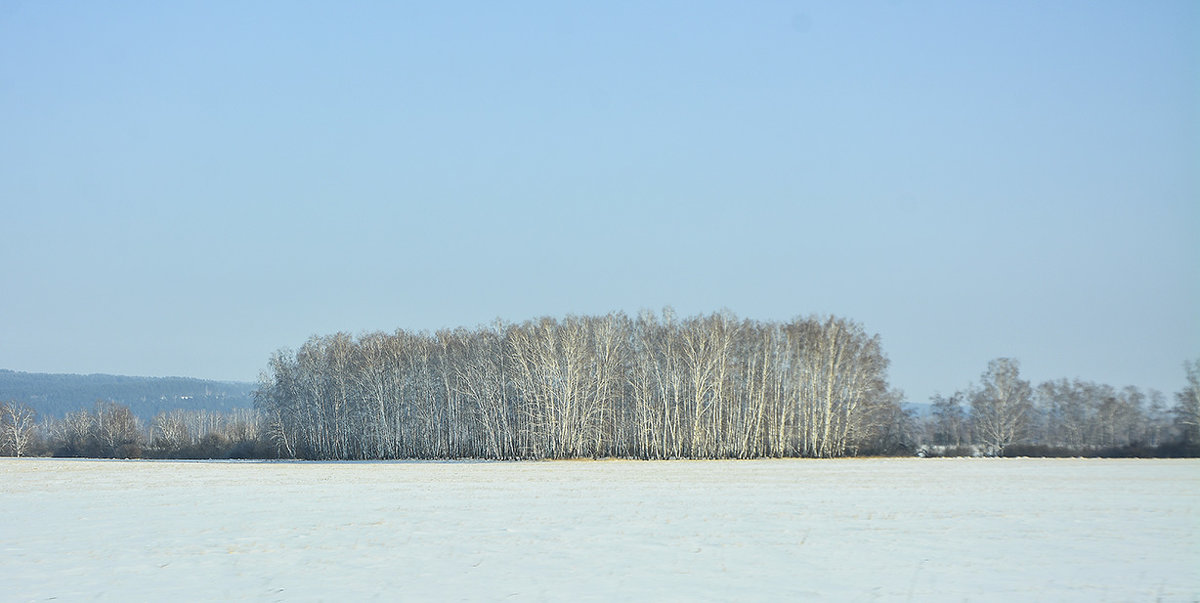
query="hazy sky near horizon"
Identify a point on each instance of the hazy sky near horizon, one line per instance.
(186, 187)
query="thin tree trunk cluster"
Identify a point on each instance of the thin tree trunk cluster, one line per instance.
(650, 387)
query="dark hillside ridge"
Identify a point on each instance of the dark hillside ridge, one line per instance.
(55, 395)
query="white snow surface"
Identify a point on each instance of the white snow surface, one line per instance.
(769, 530)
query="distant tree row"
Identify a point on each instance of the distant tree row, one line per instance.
(650, 387)
(111, 430)
(1004, 413)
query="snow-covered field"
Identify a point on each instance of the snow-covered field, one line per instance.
(845, 530)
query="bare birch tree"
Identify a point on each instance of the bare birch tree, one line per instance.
(1187, 409)
(1001, 407)
(17, 428)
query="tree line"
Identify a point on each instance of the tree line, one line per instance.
(651, 387)
(111, 430)
(1005, 414)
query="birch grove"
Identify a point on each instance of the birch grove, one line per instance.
(654, 387)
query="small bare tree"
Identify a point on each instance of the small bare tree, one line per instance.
(1187, 409)
(1001, 406)
(17, 427)
(950, 425)
(116, 430)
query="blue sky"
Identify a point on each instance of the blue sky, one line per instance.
(187, 187)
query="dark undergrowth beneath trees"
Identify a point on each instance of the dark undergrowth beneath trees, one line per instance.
(1130, 451)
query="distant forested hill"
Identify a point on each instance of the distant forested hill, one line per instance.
(53, 395)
